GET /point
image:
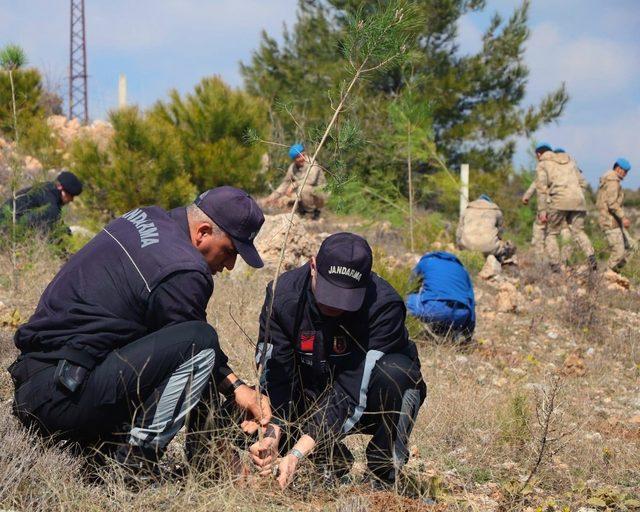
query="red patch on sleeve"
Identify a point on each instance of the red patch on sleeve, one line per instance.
(307, 338)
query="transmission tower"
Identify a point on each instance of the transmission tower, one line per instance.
(78, 104)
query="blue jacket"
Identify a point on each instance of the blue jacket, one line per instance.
(446, 281)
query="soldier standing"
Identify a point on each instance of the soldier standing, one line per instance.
(612, 218)
(539, 230)
(560, 187)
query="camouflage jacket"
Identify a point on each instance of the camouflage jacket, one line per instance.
(530, 191)
(559, 183)
(295, 176)
(480, 226)
(609, 201)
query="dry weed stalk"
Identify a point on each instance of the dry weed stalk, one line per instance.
(549, 418)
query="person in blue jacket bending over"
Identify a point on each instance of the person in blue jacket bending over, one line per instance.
(445, 301)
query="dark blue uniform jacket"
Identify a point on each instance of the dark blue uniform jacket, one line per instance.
(331, 359)
(139, 274)
(39, 206)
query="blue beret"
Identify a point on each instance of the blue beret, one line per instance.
(559, 150)
(486, 198)
(295, 150)
(543, 145)
(623, 163)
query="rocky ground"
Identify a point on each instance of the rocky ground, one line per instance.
(549, 393)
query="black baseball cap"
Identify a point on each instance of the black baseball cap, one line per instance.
(344, 271)
(238, 215)
(70, 183)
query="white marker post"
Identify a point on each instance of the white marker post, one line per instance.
(122, 91)
(464, 187)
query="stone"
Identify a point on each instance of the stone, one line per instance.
(301, 244)
(574, 365)
(508, 298)
(491, 268)
(616, 282)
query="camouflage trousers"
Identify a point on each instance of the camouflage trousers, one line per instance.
(575, 222)
(311, 200)
(539, 237)
(615, 239)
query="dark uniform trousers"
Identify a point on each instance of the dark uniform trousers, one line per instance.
(139, 394)
(395, 394)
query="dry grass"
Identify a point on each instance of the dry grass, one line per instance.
(476, 439)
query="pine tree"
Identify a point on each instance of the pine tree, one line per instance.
(210, 125)
(475, 101)
(165, 155)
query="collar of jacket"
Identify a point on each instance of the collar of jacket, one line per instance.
(56, 193)
(179, 215)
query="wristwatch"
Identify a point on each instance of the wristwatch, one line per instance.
(297, 453)
(236, 384)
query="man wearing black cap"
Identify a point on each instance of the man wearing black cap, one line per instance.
(118, 349)
(40, 206)
(336, 359)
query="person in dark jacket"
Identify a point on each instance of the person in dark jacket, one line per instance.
(336, 360)
(445, 302)
(119, 342)
(40, 206)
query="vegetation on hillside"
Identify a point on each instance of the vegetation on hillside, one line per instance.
(179, 146)
(475, 101)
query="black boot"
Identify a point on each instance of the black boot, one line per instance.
(140, 464)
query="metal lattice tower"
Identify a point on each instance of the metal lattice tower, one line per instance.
(78, 103)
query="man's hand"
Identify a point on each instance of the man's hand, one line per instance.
(542, 217)
(626, 222)
(265, 452)
(525, 200)
(257, 407)
(287, 469)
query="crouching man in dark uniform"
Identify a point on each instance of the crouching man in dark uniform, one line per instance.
(119, 349)
(337, 360)
(40, 206)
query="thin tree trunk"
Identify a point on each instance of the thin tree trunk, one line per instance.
(14, 189)
(410, 179)
(338, 109)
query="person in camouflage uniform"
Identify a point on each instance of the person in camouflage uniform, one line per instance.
(480, 229)
(539, 230)
(612, 219)
(312, 196)
(560, 187)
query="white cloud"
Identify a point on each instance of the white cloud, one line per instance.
(593, 67)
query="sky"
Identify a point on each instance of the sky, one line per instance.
(591, 45)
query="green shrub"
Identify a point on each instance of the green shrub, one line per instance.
(166, 155)
(142, 165)
(210, 126)
(28, 91)
(472, 260)
(375, 199)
